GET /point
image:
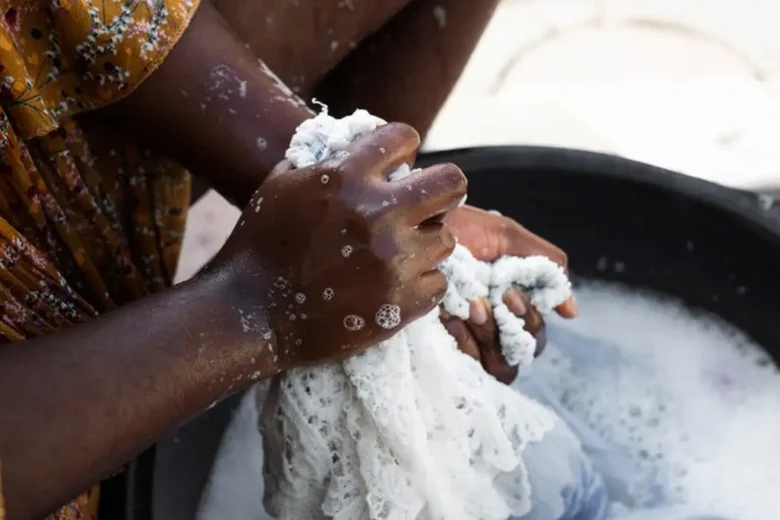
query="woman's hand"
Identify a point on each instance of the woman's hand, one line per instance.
(490, 236)
(341, 257)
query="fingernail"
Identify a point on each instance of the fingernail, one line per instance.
(478, 314)
(572, 303)
(533, 322)
(514, 300)
(541, 342)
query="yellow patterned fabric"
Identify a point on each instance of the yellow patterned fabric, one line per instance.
(88, 219)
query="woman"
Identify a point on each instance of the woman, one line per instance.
(101, 120)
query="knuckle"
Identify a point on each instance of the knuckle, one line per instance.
(453, 179)
(404, 132)
(460, 182)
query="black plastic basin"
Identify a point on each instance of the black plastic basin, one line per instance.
(716, 248)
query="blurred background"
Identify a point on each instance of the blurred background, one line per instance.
(690, 85)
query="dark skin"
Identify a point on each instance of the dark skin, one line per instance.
(207, 107)
(393, 59)
(406, 60)
(398, 44)
(394, 248)
(177, 370)
(218, 333)
(407, 69)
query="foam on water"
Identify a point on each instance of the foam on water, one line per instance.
(690, 404)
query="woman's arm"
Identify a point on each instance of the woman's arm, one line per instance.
(407, 69)
(214, 108)
(77, 404)
(141, 371)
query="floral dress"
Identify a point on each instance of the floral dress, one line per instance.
(88, 219)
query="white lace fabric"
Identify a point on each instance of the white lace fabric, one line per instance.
(412, 428)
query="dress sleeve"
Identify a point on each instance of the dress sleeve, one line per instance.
(62, 57)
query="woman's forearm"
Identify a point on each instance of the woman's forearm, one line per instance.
(76, 405)
(214, 108)
(406, 70)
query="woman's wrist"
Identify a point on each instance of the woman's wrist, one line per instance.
(239, 291)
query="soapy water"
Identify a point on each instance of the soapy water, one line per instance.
(676, 407)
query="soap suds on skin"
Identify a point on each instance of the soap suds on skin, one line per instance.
(286, 94)
(250, 322)
(225, 82)
(354, 323)
(388, 316)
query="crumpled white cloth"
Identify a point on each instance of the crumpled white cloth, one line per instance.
(412, 428)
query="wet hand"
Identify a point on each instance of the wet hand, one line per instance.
(489, 236)
(340, 257)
